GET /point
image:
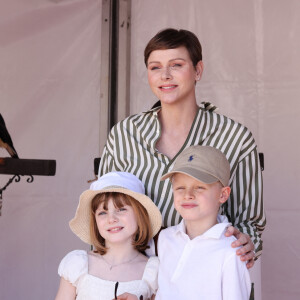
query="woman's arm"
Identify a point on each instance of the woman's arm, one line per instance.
(66, 290)
(247, 250)
(107, 158)
(246, 202)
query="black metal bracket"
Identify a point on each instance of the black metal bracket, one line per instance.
(16, 178)
(24, 167)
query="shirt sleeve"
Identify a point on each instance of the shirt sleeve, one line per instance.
(151, 274)
(107, 162)
(245, 206)
(236, 283)
(73, 265)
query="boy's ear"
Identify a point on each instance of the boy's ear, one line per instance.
(225, 192)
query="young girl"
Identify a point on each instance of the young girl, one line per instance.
(118, 219)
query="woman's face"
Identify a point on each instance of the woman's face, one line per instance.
(172, 76)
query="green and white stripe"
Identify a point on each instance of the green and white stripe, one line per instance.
(131, 148)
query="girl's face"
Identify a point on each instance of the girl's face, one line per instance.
(172, 76)
(116, 225)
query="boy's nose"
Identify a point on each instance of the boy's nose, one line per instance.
(189, 194)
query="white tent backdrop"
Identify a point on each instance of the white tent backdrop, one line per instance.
(49, 89)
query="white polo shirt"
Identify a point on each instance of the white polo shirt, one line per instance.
(205, 267)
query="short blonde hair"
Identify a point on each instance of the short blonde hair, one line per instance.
(144, 231)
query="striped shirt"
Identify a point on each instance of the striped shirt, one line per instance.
(131, 148)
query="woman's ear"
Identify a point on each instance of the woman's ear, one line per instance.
(199, 70)
(225, 192)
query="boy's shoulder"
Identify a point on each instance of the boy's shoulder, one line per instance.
(169, 235)
(172, 230)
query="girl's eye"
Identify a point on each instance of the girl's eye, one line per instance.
(102, 213)
(122, 209)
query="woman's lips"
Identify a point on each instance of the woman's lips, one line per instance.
(168, 87)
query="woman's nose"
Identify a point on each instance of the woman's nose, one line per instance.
(166, 73)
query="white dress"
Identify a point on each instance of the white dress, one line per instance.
(74, 268)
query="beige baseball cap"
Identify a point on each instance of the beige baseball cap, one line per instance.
(204, 163)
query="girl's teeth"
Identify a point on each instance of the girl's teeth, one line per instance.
(115, 229)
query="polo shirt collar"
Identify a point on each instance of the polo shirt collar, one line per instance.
(214, 232)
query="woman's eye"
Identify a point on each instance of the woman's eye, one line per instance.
(174, 66)
(102, 213)
(154, 68)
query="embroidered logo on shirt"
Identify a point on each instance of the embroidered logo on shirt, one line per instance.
(191, 158)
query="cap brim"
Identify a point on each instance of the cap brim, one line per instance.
(198, 175)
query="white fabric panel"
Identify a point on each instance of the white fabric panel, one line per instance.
(49, 91)
(251, 72)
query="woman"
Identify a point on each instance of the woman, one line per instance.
(147, 144)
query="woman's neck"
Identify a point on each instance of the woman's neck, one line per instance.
(176, 122)
(179, 116)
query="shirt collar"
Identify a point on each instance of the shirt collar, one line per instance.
(214, 232)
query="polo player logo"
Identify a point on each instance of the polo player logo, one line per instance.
(191, 158)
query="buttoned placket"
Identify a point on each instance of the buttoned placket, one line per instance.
(186, 254)
(213, 233)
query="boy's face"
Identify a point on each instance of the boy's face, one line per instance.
(195, 200)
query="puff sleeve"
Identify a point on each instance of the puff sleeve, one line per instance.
(73, 266)
(151, 274)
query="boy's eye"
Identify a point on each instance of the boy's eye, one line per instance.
(179, 188)
(200, 188)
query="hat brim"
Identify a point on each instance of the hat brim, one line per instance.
(197, 174)
(80, 224)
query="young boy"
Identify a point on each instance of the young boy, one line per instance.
(196, 259)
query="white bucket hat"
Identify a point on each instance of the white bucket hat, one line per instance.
(120, 182)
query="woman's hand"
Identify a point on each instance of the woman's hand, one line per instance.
(247, 250)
